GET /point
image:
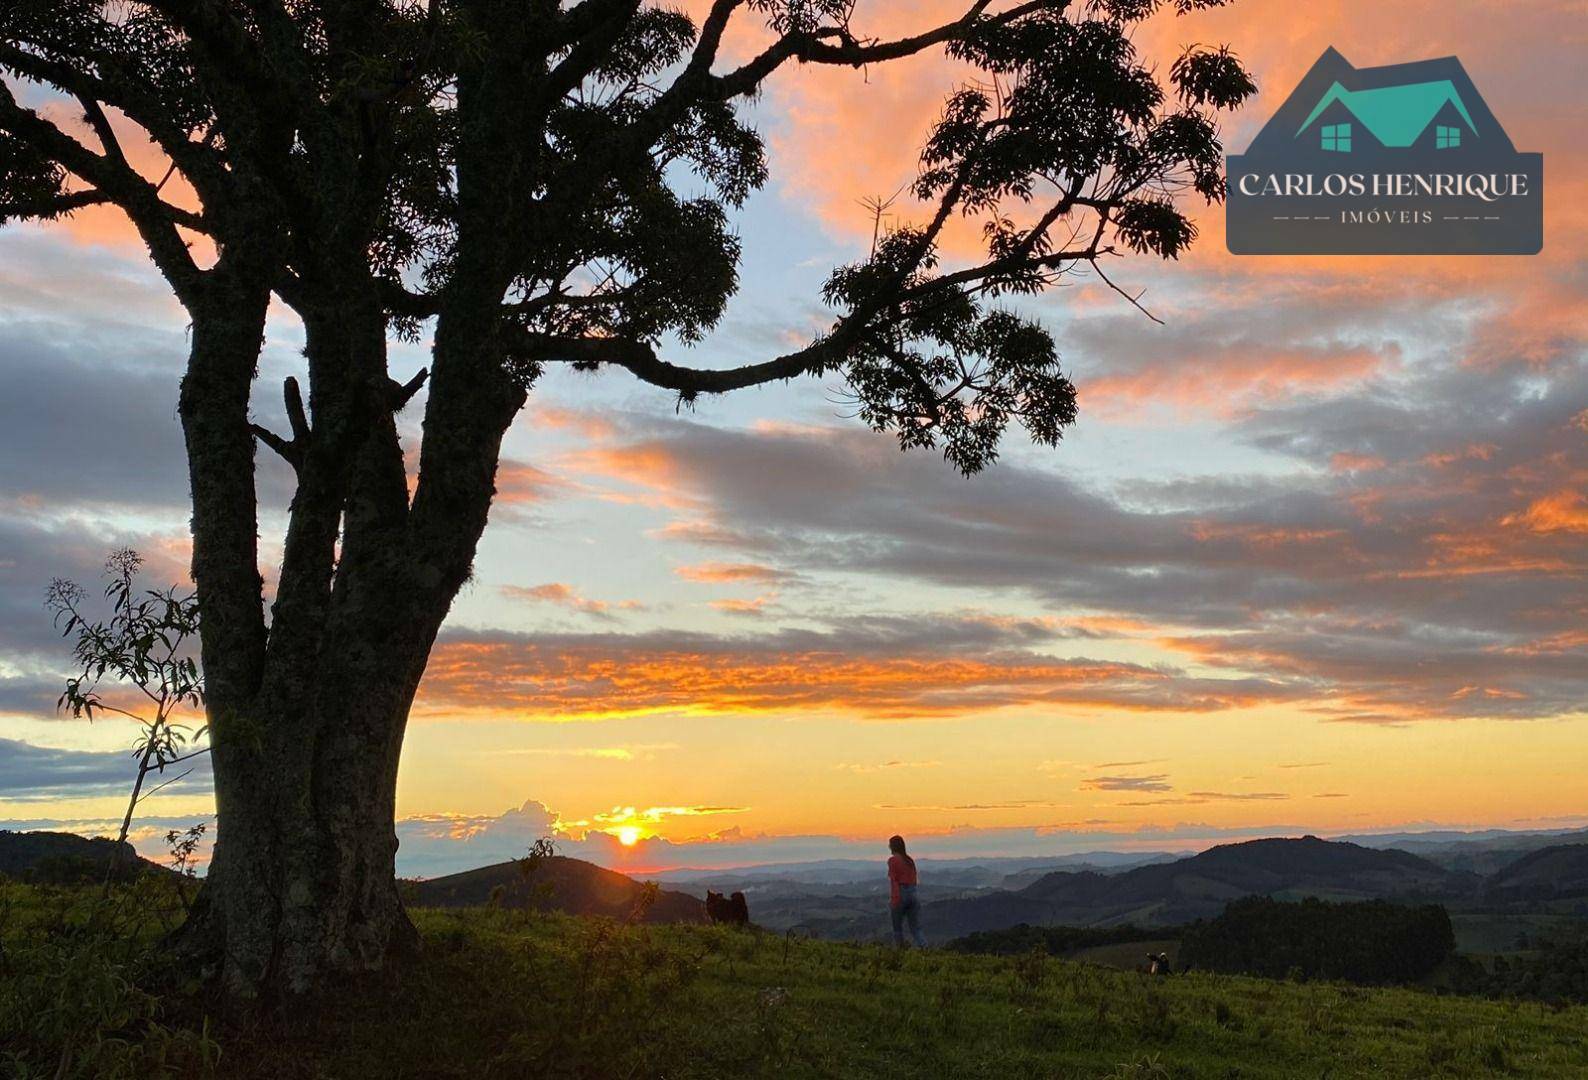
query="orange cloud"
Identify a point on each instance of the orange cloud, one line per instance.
(580, 421)
(600, 676)
(1234, 378)
(1346, 461)
(518, 482)
(729, 573)
(755, 606)
(106, 225)
(566, 596)
(1560, 511)
(639, 465)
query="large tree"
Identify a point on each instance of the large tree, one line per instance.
(506, 175)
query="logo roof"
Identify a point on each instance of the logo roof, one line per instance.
(1395, 115)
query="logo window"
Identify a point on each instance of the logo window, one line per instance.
(1337, 137)
(1446, 138)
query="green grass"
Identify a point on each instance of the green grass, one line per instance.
(1129, 955)
(498, 994)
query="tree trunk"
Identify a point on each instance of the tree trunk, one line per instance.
(303, 886)
(308, 713)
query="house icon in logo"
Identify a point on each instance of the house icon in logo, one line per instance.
(1416, 115)
(1403, 159)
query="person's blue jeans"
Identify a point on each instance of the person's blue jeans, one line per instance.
(907, 910)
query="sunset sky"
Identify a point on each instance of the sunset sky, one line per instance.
(1314, 558)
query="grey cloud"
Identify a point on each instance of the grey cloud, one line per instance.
(1154, 782)
(81, 430)
(88, 426)
(1439, 580)
(32, 552)
(29, 772)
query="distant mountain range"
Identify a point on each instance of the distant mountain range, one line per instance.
(1482, 852)
(1510, 873)
(966, 873)
(1550, 875)
(1200, 886)
(1552, 879)
(558, 884)
(1166, 894)
(840, 892)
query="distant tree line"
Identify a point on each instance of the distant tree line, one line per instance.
(1056, 940)
(1553, 972)
(1375, 942)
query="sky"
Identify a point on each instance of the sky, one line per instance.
(1313, 559)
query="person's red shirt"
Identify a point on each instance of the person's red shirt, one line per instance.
(901, 871)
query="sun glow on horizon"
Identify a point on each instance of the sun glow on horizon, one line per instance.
(628, 835)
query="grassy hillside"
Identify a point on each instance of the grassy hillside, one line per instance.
(555, 883)
(514, 994)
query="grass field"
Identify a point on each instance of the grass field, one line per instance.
(498, 994)
(1127, 956)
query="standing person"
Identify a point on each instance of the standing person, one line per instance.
(905, 907)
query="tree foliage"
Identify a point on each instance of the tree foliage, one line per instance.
(357, 122)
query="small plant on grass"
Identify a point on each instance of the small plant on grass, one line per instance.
(1031, 971)
(142, 645)
(183, 846)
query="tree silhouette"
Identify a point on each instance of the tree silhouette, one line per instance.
(507, 169)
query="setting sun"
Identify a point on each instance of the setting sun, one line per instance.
(628, 835)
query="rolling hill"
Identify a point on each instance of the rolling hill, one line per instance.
(1483, 852)
(560, 884)
(64, 858)
(1553, 873)
(1200, 886)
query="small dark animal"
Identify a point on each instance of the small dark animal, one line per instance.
(732, 910)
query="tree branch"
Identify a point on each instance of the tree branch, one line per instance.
(213, 28)
(53, 207)
(292, 397)
(640, 359)
(402, 393)
(154, 219)
(293, 450)
(818, 47)
(400, 300)
(289, 451)
(199, 161)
